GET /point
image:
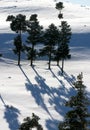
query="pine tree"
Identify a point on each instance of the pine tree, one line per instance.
(50, 40)
(65, 35)
(59, 6)
(18, 47)
(30, 123)
(34, 36)
(63, 47)
(18, 25)
(78, 116)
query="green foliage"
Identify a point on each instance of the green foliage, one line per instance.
(33, 17)
(10, 18)
(30, 123)
(31, 53)
(34, 36)
(63, 50)
(18, 47)
(77, 117)
(18, 23)
(59, 6)
(65, 32)
(51, 35)
(17, 44)
(34, 30)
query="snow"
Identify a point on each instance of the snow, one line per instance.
(25, 90)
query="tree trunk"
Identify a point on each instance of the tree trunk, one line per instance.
(58, 59)
(32, 54)
(19, 55)
(31, 58)
(57, 62)
(62, 65)
(49, 64)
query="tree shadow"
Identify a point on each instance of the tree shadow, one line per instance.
(36, 91)
(52, 124)
(56, 96)
(45, 89)
(25, 75)
(60, 96)
(11, 115)
(3, 101)
(70, 79)
(54, 75)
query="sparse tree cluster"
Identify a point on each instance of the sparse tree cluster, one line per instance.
(55, 45)
(54, 39)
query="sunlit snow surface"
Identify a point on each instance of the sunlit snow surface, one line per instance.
(26, 90)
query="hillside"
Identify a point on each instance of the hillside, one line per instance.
(28, 90)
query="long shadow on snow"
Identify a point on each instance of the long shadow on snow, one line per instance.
(36, 92)
(57, 96)
(70, 79)
(2, 100)
(11, 116)
(62, 93)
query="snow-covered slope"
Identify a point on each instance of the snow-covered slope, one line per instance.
(77, 15)
(39, 90)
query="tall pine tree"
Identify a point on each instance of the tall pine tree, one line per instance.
(34, 36)
(63, 50)
(18, 25)
(78, 116)
(51, 35)
(18, 47)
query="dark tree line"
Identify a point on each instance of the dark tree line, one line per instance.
(54, 39)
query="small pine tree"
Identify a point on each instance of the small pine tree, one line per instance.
(77, 117)
(59, 6)
(30, 123)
